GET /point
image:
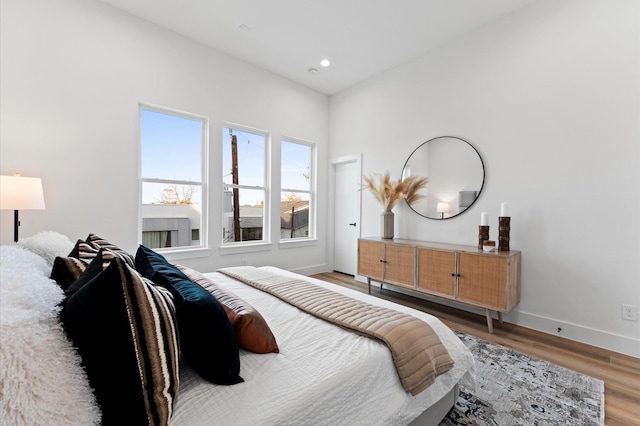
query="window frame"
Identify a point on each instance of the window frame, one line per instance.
(190, 251)
(312, 191)
(265, 242)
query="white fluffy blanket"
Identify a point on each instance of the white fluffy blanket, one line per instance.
(41, 378)
(48, 244)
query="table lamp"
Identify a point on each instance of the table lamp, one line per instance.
(442, 208)
(20, 193)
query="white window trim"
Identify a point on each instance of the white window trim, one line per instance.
(297, 242)
(184, 252)
(244, 247)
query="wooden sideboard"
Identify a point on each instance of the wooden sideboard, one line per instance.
(462, 274)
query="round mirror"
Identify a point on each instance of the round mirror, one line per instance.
(456, 176)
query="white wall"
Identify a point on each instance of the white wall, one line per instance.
(550, 97)
(72, 75)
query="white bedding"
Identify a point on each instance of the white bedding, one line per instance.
(323, 374)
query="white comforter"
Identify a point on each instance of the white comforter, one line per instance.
(323, 374)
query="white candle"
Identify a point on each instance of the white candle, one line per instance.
(484, 219)
(504, 210)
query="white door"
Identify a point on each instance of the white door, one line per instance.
(346, 216)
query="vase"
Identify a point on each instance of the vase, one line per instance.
(386, 224)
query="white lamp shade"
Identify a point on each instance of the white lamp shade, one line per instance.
(21, 193)
(442, 208)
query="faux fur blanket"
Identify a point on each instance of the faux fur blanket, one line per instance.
(417, 351)
(42, 381)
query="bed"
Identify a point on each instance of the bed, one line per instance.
(321, 374)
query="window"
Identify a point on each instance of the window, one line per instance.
(297, 190)
(172, 146)
(244, 185)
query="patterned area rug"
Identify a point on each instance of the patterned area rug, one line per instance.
(516, 389)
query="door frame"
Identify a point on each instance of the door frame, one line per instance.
(357, 159)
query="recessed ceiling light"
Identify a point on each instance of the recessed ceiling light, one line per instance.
(312, 70)
(325, 62)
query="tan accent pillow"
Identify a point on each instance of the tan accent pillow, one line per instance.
(252, 330)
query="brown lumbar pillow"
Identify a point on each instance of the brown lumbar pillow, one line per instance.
(251, 328)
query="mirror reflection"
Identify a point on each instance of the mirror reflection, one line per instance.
(456, 176)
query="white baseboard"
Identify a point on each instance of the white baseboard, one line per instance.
(360, 278)
(313, 269)
(602, 339)
(590, 336)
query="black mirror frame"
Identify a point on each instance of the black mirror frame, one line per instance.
(484, 176)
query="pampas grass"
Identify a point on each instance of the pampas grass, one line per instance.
(389, 193)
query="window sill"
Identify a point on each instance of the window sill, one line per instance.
(294, 243)
(185, 253)
(238, 248)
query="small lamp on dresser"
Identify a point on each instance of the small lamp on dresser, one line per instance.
(20, 193)
(442, 208)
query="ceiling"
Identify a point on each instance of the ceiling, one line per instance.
(361, 38)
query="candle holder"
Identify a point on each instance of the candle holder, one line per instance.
(483, 234)
(504, 228)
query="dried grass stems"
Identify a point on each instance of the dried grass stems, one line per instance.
(389, 193)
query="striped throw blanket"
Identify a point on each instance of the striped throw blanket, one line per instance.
(418, 354)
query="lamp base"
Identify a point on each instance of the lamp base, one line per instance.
(16, 224)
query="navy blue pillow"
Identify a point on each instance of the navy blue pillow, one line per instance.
(207, 338)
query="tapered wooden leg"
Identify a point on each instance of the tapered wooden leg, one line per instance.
(500, 317)
(489, 321)
(369, 285)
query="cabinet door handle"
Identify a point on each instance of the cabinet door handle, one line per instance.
(352, 224)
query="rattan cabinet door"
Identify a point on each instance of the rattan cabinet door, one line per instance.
(437, 272)
(400, 264)
(371, 259)
(482, 280)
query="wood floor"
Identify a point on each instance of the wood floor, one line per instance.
(621, 373)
